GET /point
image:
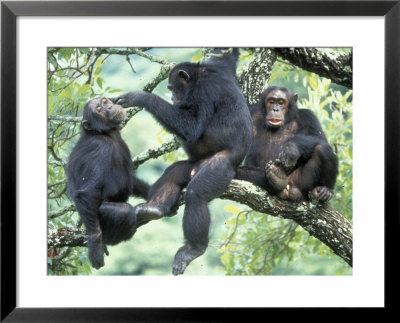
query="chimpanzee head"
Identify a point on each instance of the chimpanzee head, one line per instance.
(102, 115)
(181, 79)
(279, 106)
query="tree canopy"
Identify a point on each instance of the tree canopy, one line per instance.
(253, 232)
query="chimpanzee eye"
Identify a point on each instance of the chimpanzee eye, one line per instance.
(104, 100)
(98, 108)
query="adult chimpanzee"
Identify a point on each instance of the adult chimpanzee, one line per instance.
(100, 179)
(289, 155)
(210, 117)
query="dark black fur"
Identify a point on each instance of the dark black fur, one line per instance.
(294, 153)
(210, 117)
(100, 179)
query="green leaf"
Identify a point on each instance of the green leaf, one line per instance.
(232, 209)
(313, 81)
(116, 91)
(197, 57)
(99, 82)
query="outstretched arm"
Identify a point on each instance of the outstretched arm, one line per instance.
(188, 123)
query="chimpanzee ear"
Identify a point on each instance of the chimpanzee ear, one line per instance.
(185, 75)
(295, 97)
(86, 125)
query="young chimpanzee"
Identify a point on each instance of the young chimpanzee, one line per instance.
(289, 155)
(100, 179)
(210, 117)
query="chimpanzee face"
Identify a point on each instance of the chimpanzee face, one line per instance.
(107, 110)
(179, 80)
(102, 114)
(276, 107)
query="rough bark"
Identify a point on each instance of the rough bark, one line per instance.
(323, 61)
(321, 221)
(254, 77)
(66, 237)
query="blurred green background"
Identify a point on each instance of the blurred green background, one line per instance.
(152, 249)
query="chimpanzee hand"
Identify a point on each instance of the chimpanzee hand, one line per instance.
(320, 194)
(289, 156)
(129, 99)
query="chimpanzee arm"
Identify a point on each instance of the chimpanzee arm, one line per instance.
(186, 122)
(302, 144)
(310, 124)
(140, 188)
(297, 146)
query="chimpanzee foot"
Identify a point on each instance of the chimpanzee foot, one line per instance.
(320, 194)
(292, 193)
(184, 257)
(276, 175)
(145, 213)
(96, 249)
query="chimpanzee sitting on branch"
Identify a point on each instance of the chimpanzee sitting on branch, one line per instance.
(289, 155)
(100, 179)
(209, 115)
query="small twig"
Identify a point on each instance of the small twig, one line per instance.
(62, 211)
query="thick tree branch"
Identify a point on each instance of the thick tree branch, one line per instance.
(254, 77)
(323, 61)
(321, 221)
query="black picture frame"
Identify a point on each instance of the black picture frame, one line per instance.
(10, 10)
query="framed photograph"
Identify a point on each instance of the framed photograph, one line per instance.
(68, 71)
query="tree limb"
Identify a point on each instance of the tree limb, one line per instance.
(254, 77)
(321, 221)
(323, 61)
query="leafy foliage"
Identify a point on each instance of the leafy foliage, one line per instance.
(251, 243)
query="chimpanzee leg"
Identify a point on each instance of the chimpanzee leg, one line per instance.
(273, 178)
(117, 221)
(323, 191)
(319, 170)
(87, 204)
(251, 174)
(164, 193)
(210, 181)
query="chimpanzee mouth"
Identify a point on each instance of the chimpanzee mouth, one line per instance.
(275, 122)
(119, 116)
